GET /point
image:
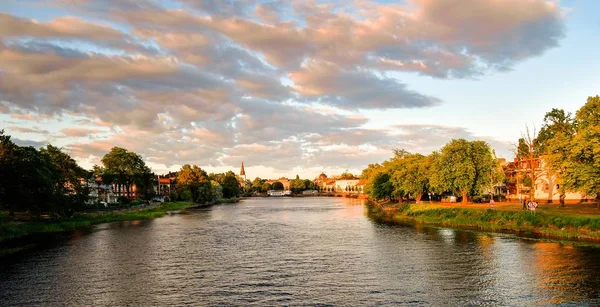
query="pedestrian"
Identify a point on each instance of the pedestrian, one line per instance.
(492, 202)
(531, 206)
(525, 203)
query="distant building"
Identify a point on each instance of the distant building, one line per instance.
(165, 184)
(242, 176)
(286, 182)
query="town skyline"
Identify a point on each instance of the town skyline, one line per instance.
(289, 89)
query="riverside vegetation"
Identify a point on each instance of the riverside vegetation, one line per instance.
(544, 224)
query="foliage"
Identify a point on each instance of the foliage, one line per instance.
(125, 168)
(412, 177)
(346, 175)
(582, 168)
(266, 186)
(277, 186)
(257, 185)
(196, 182)
(560, 225)
(231, 186)
(553, 141)
(11, 230)
(370, 172)
(463, 167)
(381, 186)
(45, 181)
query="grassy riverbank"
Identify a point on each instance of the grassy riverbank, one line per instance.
(551, 225)
(14, 230)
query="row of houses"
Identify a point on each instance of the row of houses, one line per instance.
(334, 184)
(101, 192)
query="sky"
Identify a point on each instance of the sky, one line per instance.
(288, 87)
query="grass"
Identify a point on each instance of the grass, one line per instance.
(551, 223)
(12, 230)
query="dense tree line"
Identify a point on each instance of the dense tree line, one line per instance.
(193, 183)
(39, 181)
(462, 167)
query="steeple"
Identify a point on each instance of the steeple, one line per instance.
(242, 171)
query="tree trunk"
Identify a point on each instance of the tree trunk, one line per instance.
(598, 200)
(464, 196)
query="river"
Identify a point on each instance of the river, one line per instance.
(296, 251)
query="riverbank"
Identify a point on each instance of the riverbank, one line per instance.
(17, 230)
(548, 224)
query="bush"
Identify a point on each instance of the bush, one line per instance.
(173, 196)
(185, 195)
(137, 202)
(123, 200)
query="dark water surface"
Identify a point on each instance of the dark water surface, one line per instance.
(297, 251)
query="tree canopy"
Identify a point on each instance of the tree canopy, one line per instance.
(277, 186)
(582, 168)
(124, 168)
(463, 167)
(44, 181)
(412, 175)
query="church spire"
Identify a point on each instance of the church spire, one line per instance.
(242, 171)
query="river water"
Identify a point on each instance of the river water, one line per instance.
(297, 251)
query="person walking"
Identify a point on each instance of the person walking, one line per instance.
(492, 202)
(525, 203)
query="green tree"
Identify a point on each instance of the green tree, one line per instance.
(257, 184)
(297, 185)
(124, 168)
(463, 167)
(277, 186)
(35, 181)
(553, 142)
(265, 187)
(381, 186)
(370, 172)
(195, 180)
(412, 177)
(308, 184)
(230, 184)
(582, 168)
(71, 192)
(346, 175)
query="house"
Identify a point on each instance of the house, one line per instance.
(346, 185)
(165, 184)
(545, 188)
(99, 192)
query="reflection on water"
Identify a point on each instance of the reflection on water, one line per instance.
(298, 251)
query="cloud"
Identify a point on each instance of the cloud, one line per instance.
(34, 130)
(214, 82)
(355, 89)
(21, 142)
(79, 132)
